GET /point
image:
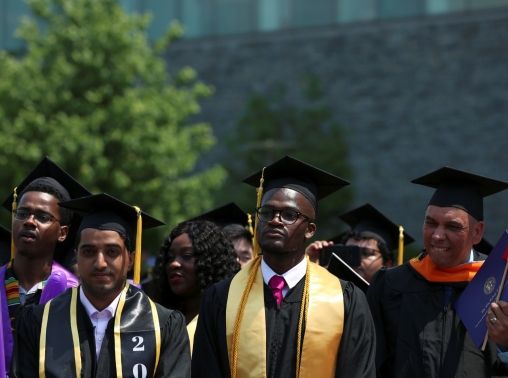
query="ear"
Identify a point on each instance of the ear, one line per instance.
(478, 232)
(64, 231)
(132, 257)
(310, 231)
(388, 263)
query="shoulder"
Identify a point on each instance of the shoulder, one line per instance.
(217, 293)
(169, 317)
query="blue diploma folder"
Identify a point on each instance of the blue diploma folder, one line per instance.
(475, 300)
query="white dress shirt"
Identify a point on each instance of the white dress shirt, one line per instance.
(292, 276)
(99, 319)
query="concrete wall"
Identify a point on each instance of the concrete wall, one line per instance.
(416, 95)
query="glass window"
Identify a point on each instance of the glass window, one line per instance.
(234, 16)
(15, 9)
(399, 8)
(196, 16)
(163, 12)
(269, 14)
(476, 4)
(130, 5)
(444, 6)
(312, 13)
(356, 10)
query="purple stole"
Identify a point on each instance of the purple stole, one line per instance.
(59, 280)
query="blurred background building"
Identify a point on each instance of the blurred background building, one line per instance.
(418, 84)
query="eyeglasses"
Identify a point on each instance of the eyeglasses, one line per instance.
(266, 214)
(41, 218)
(368, 253)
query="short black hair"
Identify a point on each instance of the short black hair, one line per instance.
(125, 239)
(65, 214)
(383, 249)
(237, 231)
(215, 259)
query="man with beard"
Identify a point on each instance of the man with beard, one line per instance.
(418, 331)
(282, 316)
(106, 327)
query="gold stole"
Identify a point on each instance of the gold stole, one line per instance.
(323, 327)
(191, 330)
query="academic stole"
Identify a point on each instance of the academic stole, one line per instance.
(424, 265)
(191, 330)
(137, 336)
(323, 326)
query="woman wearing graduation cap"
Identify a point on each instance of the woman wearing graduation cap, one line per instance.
(282, 316)
(195, 255)
(106, 327)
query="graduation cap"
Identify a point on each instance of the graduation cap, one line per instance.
(5, 245)
(463, 190)
(225, 215)
(341, 270)
(369, 222)
(104, 212)
(49, 173)
(288, 172)
(484, 247)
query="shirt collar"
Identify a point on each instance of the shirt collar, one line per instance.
(292, 276)
(89, 307)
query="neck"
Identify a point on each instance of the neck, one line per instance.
(281, 263)
(31, 271)
(190, 307)
(100, 302)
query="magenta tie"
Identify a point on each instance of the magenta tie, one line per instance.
(277, 283)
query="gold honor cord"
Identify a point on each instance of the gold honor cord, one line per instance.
(304, 312)
(42, 341)
(137, 258)
(401, 245)
(249, 227)
(74, 330)
(157, 330)
(257, 249)
(14, 207)
(118, 344)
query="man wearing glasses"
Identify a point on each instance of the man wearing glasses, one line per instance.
(38, 226)
(281, 315)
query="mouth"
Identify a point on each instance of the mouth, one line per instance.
(440, 248)
(27, 236)
(273, 233)
(101, 276)
(175, 278)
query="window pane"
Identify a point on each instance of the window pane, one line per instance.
(196, 17)
(444, 6)
(15, 10)
(356, 10)
(130, 6)
(234, 16)
(312, 13)
(163, 12)
(475, 4)
(399, 8)
(269, 14)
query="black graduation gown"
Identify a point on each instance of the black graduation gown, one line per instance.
(357, 347)
(174, 355)
(418, 335)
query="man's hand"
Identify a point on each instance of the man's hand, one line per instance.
(497, 324)
(316, 247)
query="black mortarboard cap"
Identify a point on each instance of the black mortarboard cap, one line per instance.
(225, 215)
(367, 221)
(483, 247)
(463, 190)
(340, 269)
(104, 212)
(288, 172)
(5, 245)
(50, 173)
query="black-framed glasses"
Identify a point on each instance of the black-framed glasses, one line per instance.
(23, 215)
(368, 253)
(287, 216)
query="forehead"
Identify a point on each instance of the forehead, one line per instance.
(446, 213)
(285, 197)
(38, 199)
(368, 243)
(92, 236)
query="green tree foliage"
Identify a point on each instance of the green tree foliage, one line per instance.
(272, 127)
(93, 94)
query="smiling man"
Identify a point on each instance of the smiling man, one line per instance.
(106, 327)
(418, 332)
(283, 316)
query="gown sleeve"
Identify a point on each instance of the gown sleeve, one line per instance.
(358, 344)
(25, 360)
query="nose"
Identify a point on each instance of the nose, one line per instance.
(100, 261)
(30, 220)
(175, 264)
(276, 217)
(439, 233)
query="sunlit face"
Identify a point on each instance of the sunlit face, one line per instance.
(103, 262)
(371, 263)
(449, 234)
(33, 238)
(243, 250)
(181, 267)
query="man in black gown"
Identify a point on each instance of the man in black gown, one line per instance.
(106, 327)
(418, 331)
(272, 332)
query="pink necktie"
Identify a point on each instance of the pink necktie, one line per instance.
(277, 283)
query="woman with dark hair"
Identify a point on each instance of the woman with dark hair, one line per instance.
(193, 256)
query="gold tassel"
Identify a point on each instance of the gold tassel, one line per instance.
(257, 249)
(401, 245)
(249, 227)
(14, 207)
(137, 258)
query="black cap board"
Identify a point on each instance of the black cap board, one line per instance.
(5, 245)
(369, 222)
(343, 271)
(104, 212)
(225, 215)
(484, 247)
(288, 172)
(460, 189)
